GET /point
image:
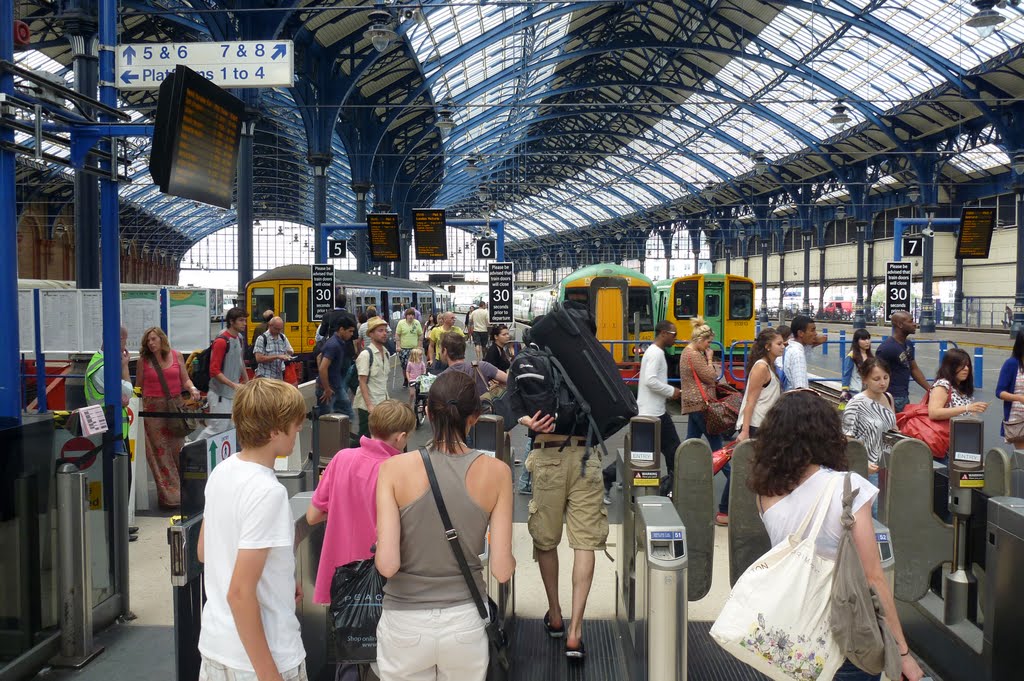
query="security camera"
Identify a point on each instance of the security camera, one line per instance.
(928, 232)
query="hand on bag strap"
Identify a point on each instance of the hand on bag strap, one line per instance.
(452, 536)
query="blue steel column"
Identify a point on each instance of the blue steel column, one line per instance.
(666, 241)
(244, 207)
(80, 26)
(858, 311)
(499, 236)
(359, 239)
(320, 163)
(1018, 302)
(763, 316)
(10, 380)
(927, 322)
(110, 230)
(807, 233)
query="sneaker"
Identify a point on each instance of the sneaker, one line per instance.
(607, 499)
(722, 519)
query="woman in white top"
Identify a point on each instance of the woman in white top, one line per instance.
(800, 449)
(763, 386)
(953, 391)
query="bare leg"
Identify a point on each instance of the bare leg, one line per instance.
(548, 562)
(582, 578)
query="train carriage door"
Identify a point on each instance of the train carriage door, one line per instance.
(684, 306)
(609, 300)
(261, 298)
(714, 314)
(290, 313)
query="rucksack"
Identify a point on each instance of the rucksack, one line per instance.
(352, 374)
(199, 368)
(536, 382)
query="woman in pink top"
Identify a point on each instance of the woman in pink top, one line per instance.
(162, 445)
(347, 494)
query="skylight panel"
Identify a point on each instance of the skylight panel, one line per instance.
(981, 160)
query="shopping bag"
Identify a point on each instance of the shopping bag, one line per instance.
(776, 619)
(357, 595)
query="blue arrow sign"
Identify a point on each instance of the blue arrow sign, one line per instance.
(279, 51)
(129, 54)
(128, 77)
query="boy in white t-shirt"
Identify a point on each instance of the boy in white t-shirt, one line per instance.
(249, 629)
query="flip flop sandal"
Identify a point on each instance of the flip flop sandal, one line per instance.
(552, 632)
(576, 654)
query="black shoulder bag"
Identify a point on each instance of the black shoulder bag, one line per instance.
(497, 640)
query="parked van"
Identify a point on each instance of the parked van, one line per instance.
(839, 307)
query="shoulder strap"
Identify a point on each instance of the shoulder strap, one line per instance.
(696, 379)
(160, 375)
(451, 535)
(849, 495)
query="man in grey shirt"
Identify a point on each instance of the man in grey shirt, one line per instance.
(227, 371)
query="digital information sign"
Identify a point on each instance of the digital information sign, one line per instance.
(385, 245)
(431, 233)
(975, 240)
(897, 287)
(500, 278)
(323, 292)
(195, 139)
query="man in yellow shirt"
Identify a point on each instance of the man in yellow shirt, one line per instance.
(447, 324)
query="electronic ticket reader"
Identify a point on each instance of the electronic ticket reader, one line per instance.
(883, 538)
(641, 477)
(966, 474)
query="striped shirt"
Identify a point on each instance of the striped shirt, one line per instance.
(267, 344)
(868, 421)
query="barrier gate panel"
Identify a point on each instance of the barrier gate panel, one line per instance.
(748, 540)
(694, 499)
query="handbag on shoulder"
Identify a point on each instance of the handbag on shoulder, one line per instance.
(858, 621)
(721, 411)
(500, 661)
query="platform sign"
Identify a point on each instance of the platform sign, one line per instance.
(430, 230)
(323, 292)
(975, 238)
(500, 276)
(244, 64)
(913, 245)
(897, 287)
(486, 249)
(385, 245)
(337, 248)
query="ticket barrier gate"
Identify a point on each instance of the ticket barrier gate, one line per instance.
(313, 617)
(651, 579)
(1003, 625)
(940, 517)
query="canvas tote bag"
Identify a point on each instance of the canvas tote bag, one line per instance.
(777, 617)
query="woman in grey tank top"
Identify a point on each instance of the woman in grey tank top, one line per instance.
(430, 627)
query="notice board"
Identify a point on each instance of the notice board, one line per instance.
(384, 242)
(430, 231)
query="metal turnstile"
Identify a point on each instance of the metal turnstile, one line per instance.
(641, 477)
(655, 635)
(316, 630)
(1004, 618)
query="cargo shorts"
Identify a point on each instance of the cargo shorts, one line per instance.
(560, 494)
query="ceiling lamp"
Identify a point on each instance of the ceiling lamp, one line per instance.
(760, 162)
(380, 32)
(471, 165)
(708, 193)
(483, 193)
(280, 230)
(913, 193)
(986, 19)
(840, 212)
(1018, 163)
(445, 118)
(839, 116)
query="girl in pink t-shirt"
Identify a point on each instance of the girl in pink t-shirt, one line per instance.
(413, 370)
(347, 493)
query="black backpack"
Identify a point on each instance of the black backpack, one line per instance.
(200, 368)
(536, 382)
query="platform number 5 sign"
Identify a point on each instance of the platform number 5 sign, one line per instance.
(486, 249)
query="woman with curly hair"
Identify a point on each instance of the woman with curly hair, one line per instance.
(799, 450)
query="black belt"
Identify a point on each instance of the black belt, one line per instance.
(571, 441)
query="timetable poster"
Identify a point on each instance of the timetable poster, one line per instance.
(188, 319)
(140, 310)
(92, 320)
(60, 317)
(26, 321)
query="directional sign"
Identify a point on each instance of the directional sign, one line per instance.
(486, 249)
(323, 292)
(913, 246)
(253, 63)
(337, 248)
(500, 277)
(897, 287)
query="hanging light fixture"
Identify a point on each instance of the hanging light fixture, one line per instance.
(986, 19)
(446, 117)
(471, 165)
(760, 162)
(839, 116)
(1018, 163)
(380, 33)
(914, 193)
(280, 230)
(840, 212)
(483, 193)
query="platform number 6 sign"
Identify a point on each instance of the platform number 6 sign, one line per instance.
(486, 249)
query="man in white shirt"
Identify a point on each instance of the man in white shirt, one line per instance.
(654, 389)
(794, 361)
(479, 322)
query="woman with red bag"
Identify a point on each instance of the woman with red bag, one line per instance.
(696, 365)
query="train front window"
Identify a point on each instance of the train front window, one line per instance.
(262, 300)
(685, 299)
(640, 302)
(578, 295)
(712, 305)
(741, 300)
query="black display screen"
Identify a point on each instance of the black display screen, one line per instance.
(384, 241)
(975, 239)
(431, 234)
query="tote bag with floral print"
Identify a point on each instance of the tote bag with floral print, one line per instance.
(776, 619)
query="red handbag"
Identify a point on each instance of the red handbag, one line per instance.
(720, 413)
(914, 422)
(722, 457)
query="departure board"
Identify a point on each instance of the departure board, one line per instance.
(431, 232)
(195, 140)
(384, 243)
(975, 240)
